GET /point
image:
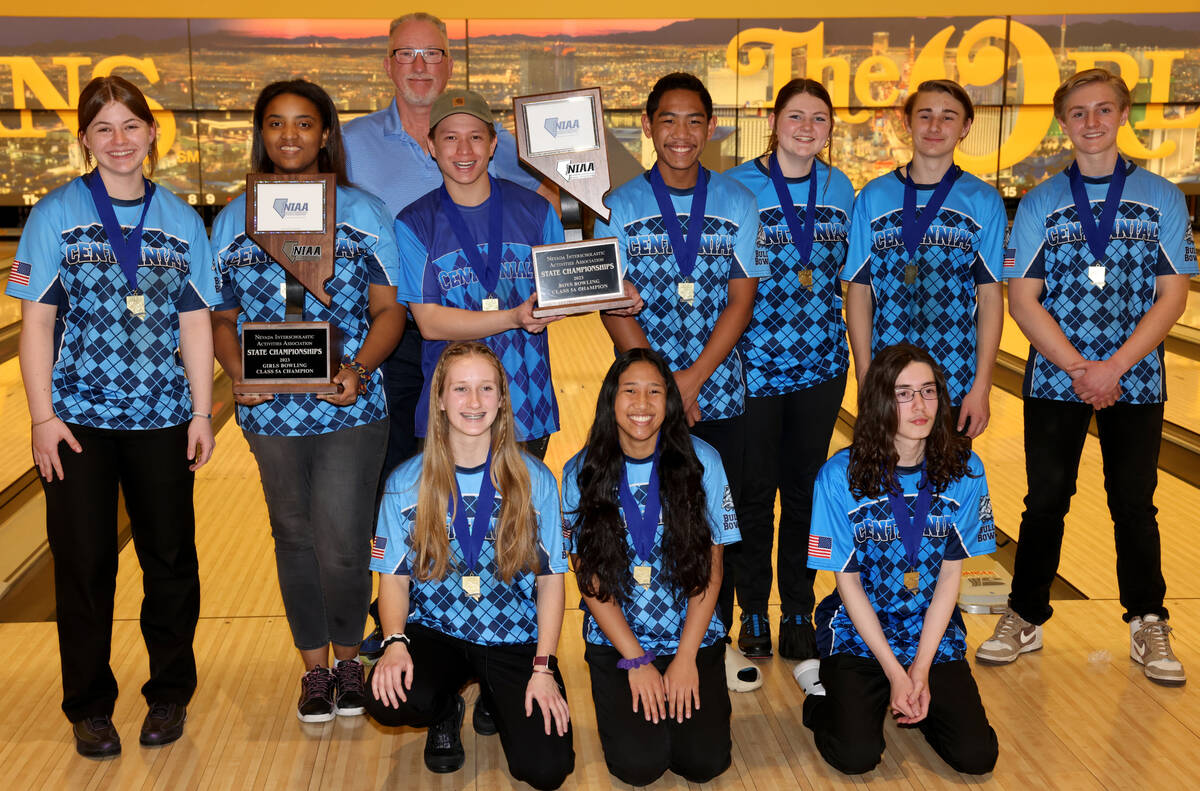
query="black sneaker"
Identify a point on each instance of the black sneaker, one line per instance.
(754, 639)
(95, 737)
(350, 697)
(797, 640)
(444, 751)
(481, 718)
(163, 724)
(316, 696)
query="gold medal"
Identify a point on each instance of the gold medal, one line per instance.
(641, 575)
(687, 291)
(1096, 275)
(491, 303)
(910, 274)
(136, 304)
(806, 279)
(471, 586)
(912, 581)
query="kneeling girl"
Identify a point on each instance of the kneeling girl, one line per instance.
(648, 510)
(470, 553)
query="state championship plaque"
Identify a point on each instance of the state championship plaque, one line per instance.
(291, 217)
(561, 135)
(579, 277)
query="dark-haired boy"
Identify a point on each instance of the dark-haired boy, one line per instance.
(688, 240)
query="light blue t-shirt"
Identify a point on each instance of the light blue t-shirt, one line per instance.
(385, 160)
(504, 614)
(364, 254)
(1151, 237)
(961, 249)
(656, 614)
(112, 369)
(860, 535)
(797, 336)
(676, 330)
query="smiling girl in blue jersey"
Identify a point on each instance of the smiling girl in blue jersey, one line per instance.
(894, 516)
(924, 265)
(645, 508)
(123, 265)
(470, 553)
(319, 456)
(795, 360)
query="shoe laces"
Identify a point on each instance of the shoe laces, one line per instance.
(755, 623)
(442, 733)
(797, 619)
(349, 676)
(1156, 633)
(1010, 622)
(317, 683)
(160, 711)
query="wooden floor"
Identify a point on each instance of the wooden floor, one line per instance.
(1077, 715)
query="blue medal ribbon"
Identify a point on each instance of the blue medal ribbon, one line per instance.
(685, 250)
(911, 530)
(471, 538)
(802, 236)
(642, 525)
(488, 273)
(913, 225)
(127, 249)
(1097, 235)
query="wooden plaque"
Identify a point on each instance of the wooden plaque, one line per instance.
(292, 217)
(561, 135)
(579, 277)
(289, 357)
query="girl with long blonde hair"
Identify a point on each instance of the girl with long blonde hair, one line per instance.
(470, 554)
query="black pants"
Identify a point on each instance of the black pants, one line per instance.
(728, 437)
(787, 442)
(1129, 439)
(847, 721)
(402, 380)
(151, 467)
(639, 752)
(443, 664)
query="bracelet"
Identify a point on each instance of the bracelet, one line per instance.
(40, 422)
(543, 671)
(398, 637)
(631, 664)
(364, 376)
(547, 663)
(203, 414)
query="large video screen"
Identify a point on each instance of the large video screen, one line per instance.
(202, 77)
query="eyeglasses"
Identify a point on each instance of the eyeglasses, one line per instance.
(406, 55)
(906, 394)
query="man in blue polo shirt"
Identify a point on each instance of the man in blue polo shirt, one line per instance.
(387, 154)
(1102, 254)
(688, 239)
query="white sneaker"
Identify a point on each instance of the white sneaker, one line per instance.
(741, 675)
(808, 676)
(1013, 636)
(1150, 646)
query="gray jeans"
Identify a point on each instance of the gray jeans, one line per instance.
(320, 493)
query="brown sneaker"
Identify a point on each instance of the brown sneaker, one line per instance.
(1150, 646)
(1013, 636)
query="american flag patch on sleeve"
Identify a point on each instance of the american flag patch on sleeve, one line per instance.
(1010, 258)
(378, 544)
(820, 547)
(19, 273)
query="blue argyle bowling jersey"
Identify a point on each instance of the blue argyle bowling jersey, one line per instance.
(364, 255)
(656, 613)
(860, 535)
(674, 329)
(962, 248)
(112, 369)
(1151, 237)
(505, 614)
(797, 337)
(434, 270)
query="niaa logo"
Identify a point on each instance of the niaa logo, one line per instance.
(285, 208)
(556, 127)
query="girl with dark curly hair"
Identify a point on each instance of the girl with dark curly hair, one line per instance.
(647, 510)
(894, 516)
